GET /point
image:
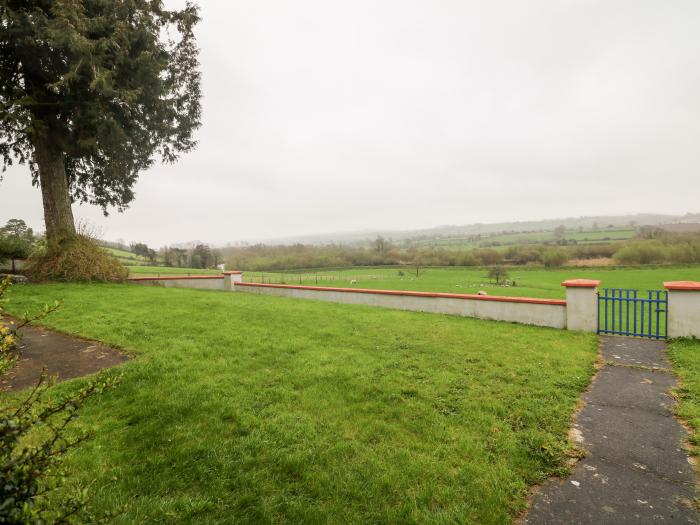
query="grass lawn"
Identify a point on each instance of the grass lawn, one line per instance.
(685, 355)
(241, 408)
(536, 282)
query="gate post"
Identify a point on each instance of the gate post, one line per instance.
(230, 278)
(581, 304)
(683, 308)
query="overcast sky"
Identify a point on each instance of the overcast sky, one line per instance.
(329, 115)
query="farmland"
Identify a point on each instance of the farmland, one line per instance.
(509, 239)
(240, 408)
(164, 271)
(529, 282)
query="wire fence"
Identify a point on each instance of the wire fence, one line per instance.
(316, 279)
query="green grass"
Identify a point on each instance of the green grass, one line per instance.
(241, 408)
(529, 282)
(125, 257)
(155, 271)
(685, 355)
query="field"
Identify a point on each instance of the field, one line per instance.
(126, 258)
(164, 271)
(239, 408)
(529, 282)
(508, 239)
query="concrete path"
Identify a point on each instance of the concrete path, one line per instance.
(635, 469)
(63, 356)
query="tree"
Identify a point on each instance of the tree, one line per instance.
(202, 256)
(16, 241)
(91, 93)
(380, 245)
(498, 274)
(139, 248)
(559, 232)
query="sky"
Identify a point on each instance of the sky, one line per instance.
(328, 116)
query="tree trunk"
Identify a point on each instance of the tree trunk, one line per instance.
(58, 214)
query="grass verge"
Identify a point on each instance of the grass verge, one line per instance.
(245, 409)
(685, 356)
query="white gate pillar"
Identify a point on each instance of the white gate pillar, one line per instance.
(683, 308)
(581, 304)
(230, 278)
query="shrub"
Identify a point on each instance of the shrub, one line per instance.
(79, 259)
(649, 252)
(33, 442)
(554, 257)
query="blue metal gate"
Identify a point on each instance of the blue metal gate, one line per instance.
(623, 312)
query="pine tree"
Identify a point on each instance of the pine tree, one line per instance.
(92, 92)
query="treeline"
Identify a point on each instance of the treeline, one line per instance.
(299, 256)
(645, 249)
(667, 248)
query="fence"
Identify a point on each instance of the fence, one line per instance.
(623, 312)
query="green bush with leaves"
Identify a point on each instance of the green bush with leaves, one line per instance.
(34, 439)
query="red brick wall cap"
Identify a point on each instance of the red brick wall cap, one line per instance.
(499, 298)
(174, 278)
(581, 283)
(682, 285)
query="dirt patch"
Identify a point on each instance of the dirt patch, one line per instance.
(64, 356)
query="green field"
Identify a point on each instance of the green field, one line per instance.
(125, 257)
(240, 408)
(535, 282)
(155, 271)
(507, 239)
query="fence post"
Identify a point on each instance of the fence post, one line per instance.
(683, 308)
(581, 304)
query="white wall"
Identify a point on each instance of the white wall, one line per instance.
(534, 312)
(200, 283)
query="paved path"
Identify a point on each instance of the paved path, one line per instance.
(635, 470)
(63, 356)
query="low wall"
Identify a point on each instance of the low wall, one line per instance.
(19, 264)
(540, 312)
(199, 282)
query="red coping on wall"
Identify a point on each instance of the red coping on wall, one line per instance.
(175, 278)
(682, 285)
(413, 294)
(581, 283)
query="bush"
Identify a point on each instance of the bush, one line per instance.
(79, 259)
(554, 257)
(33, 442)
(650, 252)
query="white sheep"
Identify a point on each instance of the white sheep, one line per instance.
(481, 292)
(353, 281)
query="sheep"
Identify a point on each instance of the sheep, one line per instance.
(481, 292)
(353, 281)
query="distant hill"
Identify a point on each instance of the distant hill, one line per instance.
(447, 231)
